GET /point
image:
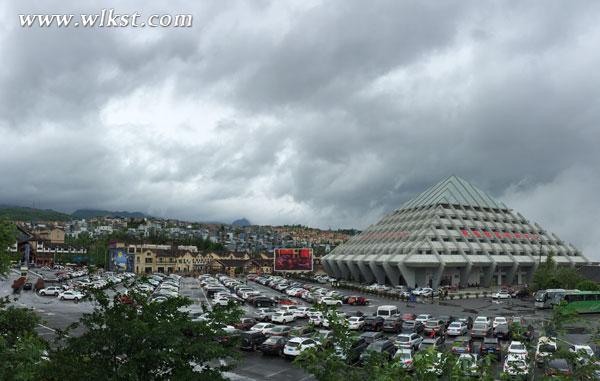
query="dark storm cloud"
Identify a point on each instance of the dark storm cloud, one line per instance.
(322, 113)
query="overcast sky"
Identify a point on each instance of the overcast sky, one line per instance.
(325, 113)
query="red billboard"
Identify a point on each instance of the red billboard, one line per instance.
(293, 260)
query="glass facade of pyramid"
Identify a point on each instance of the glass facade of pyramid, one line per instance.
(451, 234)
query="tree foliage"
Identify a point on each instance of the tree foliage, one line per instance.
(7, 238)
(21, 349)
(549, 275)
(141, 340)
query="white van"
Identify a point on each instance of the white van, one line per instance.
(386, 311)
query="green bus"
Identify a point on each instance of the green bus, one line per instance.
(582, 302)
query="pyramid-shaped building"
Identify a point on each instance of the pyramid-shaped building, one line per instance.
(451, 234)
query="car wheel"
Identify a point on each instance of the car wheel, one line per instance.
(62, 298)
(43, 293)
(76, 300)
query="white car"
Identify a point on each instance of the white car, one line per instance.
(423, 318)
(341, 318)
(301, 312)
(331, 301)
(457, 328)
(516, 366)
(546, 347)
(502, 294)
(53, 290)
(499, 320)
(356, 322)
(482, 319)
(408, 340)
(517, 348)
(283, 317)
(297, 345)
(584, 353)
(71, 295)
(406, 358)
(262, 327)
(316, 319)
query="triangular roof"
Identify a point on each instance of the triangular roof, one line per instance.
(456, 191)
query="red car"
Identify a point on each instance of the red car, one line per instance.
(355, 300)
(245, 324)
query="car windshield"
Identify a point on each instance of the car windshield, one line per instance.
(479, 326)
(516, 363)
(454, 325)
(403, 339)
(293, 344)
(517, 347)
(547, 348)
(432, 323)
(271, 340)
(409, 323)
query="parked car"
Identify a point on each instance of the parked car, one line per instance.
(28, 286)
(371, 337)
(432, 342)
(409, 326)
(434, 327)
(356, 322)
(491, 346)
(481, 330)
(297, 345)
(301, 331)
(467, 320)
(328, 300)
(355, 300)
(457, 328)
(273, 345)
(300, 312)
(245, 324)
(52, 290)
(352, 356)
(408, 340)
(405, 357)
(502, 294)
(546, 347)
(502, 332)
(517, 348)
(557, 367)
(373, 323)
(279, 330)
(500, 320)
(468, 365)
(264, 314)
(408, 316)
(71, 295)
(462, 344)
(262, 327)
(423, 318)
(384, 346)
(392, 324)
(251, 340)
(516, 366)
(283, 317)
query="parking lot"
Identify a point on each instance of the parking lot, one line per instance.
(58, 314)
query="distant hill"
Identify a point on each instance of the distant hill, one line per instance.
(91, 213)
(20, 213)
(241, 222)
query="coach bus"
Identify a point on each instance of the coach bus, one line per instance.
(582, 302)
(548, 298)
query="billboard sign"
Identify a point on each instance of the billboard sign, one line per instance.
(120, 261)
(293, 259)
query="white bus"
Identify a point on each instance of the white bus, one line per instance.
(549, 298)
(386, 311)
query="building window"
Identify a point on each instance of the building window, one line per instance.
(148, 260)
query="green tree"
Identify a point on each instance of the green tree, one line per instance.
(587, 285)
(549, 275)
(7, 239)
(21, 349)
(142, 340)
